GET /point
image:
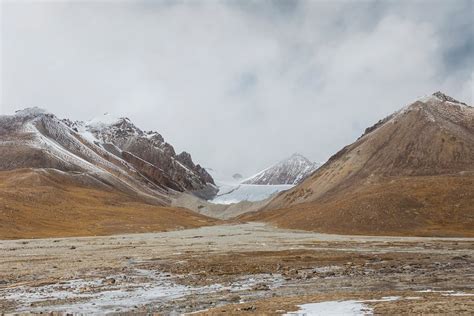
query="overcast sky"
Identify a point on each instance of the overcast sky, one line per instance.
(238, 84)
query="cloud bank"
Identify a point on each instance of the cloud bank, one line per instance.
(239, 84)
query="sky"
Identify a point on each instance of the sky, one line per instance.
(238, 84)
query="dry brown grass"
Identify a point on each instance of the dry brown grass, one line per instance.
(409, 206)
(38, 204)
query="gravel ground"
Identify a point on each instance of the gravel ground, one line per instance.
(245, 268)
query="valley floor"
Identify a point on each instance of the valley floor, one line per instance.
(240, 268)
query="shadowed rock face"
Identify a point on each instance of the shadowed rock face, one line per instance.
(411, 173)
(185, 158)
(178, 171)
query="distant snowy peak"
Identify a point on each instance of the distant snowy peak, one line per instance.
(289, 171)
(108, 124)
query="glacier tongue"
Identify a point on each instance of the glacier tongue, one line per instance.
(229, 194)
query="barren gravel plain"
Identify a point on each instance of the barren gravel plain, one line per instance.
(237, 268)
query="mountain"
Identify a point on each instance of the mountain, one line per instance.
(148, 153)
(289, 171)
(51, 163)
(280, 177)
(411, 173)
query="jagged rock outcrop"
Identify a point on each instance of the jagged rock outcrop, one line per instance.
(178, 171)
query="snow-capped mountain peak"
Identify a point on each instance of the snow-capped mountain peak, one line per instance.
(106, 120)
(297, 159)
(288, 171)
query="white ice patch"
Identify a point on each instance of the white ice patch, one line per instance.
(326, 269)
(435, 291)
(229, 194)
(446, 292)
(97, 297)
(458, 294)
(93, 297)
(355, 308)
(349, 307)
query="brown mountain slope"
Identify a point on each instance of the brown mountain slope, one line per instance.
(38, 203)
(57, 179)
(410, 174)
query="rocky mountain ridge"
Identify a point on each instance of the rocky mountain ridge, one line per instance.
(34, 138)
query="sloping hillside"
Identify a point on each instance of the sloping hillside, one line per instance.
(412, 173)
(58, 180)
(39, 203)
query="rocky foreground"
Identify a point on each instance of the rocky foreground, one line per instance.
(268, 270)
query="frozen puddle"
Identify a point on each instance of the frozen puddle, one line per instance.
(333, 308)
(458, 294)
(447, 293)
(349, 308)
(84, 296)
(124, 293)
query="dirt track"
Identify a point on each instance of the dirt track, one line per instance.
(235, 268)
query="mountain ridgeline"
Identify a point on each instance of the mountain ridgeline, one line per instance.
(33, 138)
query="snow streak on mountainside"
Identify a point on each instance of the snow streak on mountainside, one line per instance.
(289, 171)
(149, 153)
